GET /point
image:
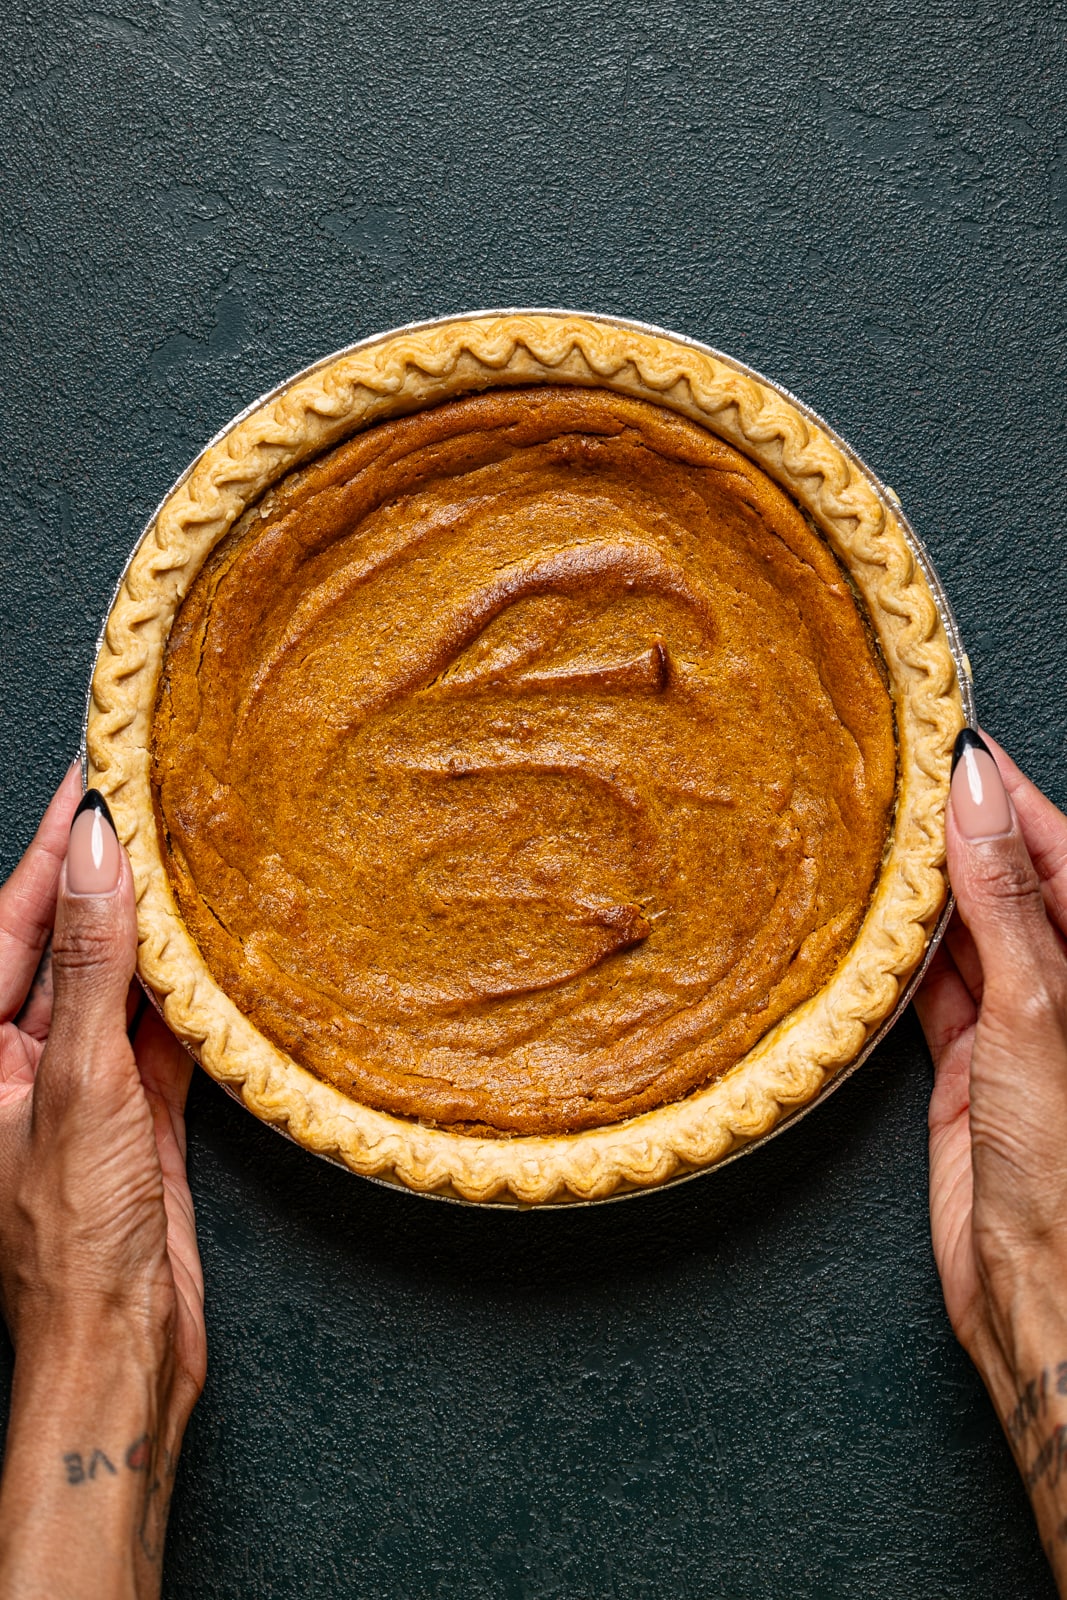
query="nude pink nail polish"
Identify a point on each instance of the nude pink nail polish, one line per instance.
(94, 861)
(979, 800)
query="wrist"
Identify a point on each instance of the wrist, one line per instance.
(1023, 1363)
(1024, 1332)
(92, 1448)
(88, 1341)
(95, 1381)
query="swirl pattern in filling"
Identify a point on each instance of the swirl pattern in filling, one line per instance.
(520, 763)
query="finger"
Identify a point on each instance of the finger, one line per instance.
(964, 953)
(18, 1063)
(36, 1012)
(997, 887)
(28, 898)
(93, 956)
(35, 1017)
(1044, 830)
(947, 1014)
(166, 1070)
(944, 1006)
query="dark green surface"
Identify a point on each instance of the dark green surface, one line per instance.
(745, 1387)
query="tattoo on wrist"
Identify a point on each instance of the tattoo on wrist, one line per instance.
(1034, 1400)
(144, 1457)
(1047, 1463)
(83, 1466)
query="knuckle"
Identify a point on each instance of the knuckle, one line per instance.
(87, 948)
(1044, 1005)
(1025, 1015)
(1011, 881)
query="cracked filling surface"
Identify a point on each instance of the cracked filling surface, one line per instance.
(521, 762)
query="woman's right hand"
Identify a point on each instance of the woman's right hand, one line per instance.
(994, 1010)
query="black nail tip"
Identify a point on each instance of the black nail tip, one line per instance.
(93, 800)
(968, 739)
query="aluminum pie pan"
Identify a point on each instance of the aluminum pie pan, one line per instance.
(923, 561)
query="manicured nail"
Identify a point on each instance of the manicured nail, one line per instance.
(979, 799)
(94, 858)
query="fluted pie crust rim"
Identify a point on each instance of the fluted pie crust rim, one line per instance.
(404, 372)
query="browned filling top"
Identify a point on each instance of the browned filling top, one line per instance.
(521, 762)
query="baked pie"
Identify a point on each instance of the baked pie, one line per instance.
(531, 735)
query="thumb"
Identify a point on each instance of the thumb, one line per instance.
(94, 952)
(996, 886)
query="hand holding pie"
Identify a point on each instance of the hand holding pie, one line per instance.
(99, 1269)
(994, 1008)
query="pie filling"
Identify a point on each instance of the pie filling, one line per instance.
(521, 762)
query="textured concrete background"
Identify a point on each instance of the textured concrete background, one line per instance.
(745, 1387)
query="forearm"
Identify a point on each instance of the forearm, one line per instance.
(91, 1450)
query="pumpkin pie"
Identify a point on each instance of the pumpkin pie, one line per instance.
(531, 734)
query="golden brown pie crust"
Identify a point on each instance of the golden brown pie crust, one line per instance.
(652, 660)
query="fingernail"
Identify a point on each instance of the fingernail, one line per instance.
(94, 858)
(979, 799)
